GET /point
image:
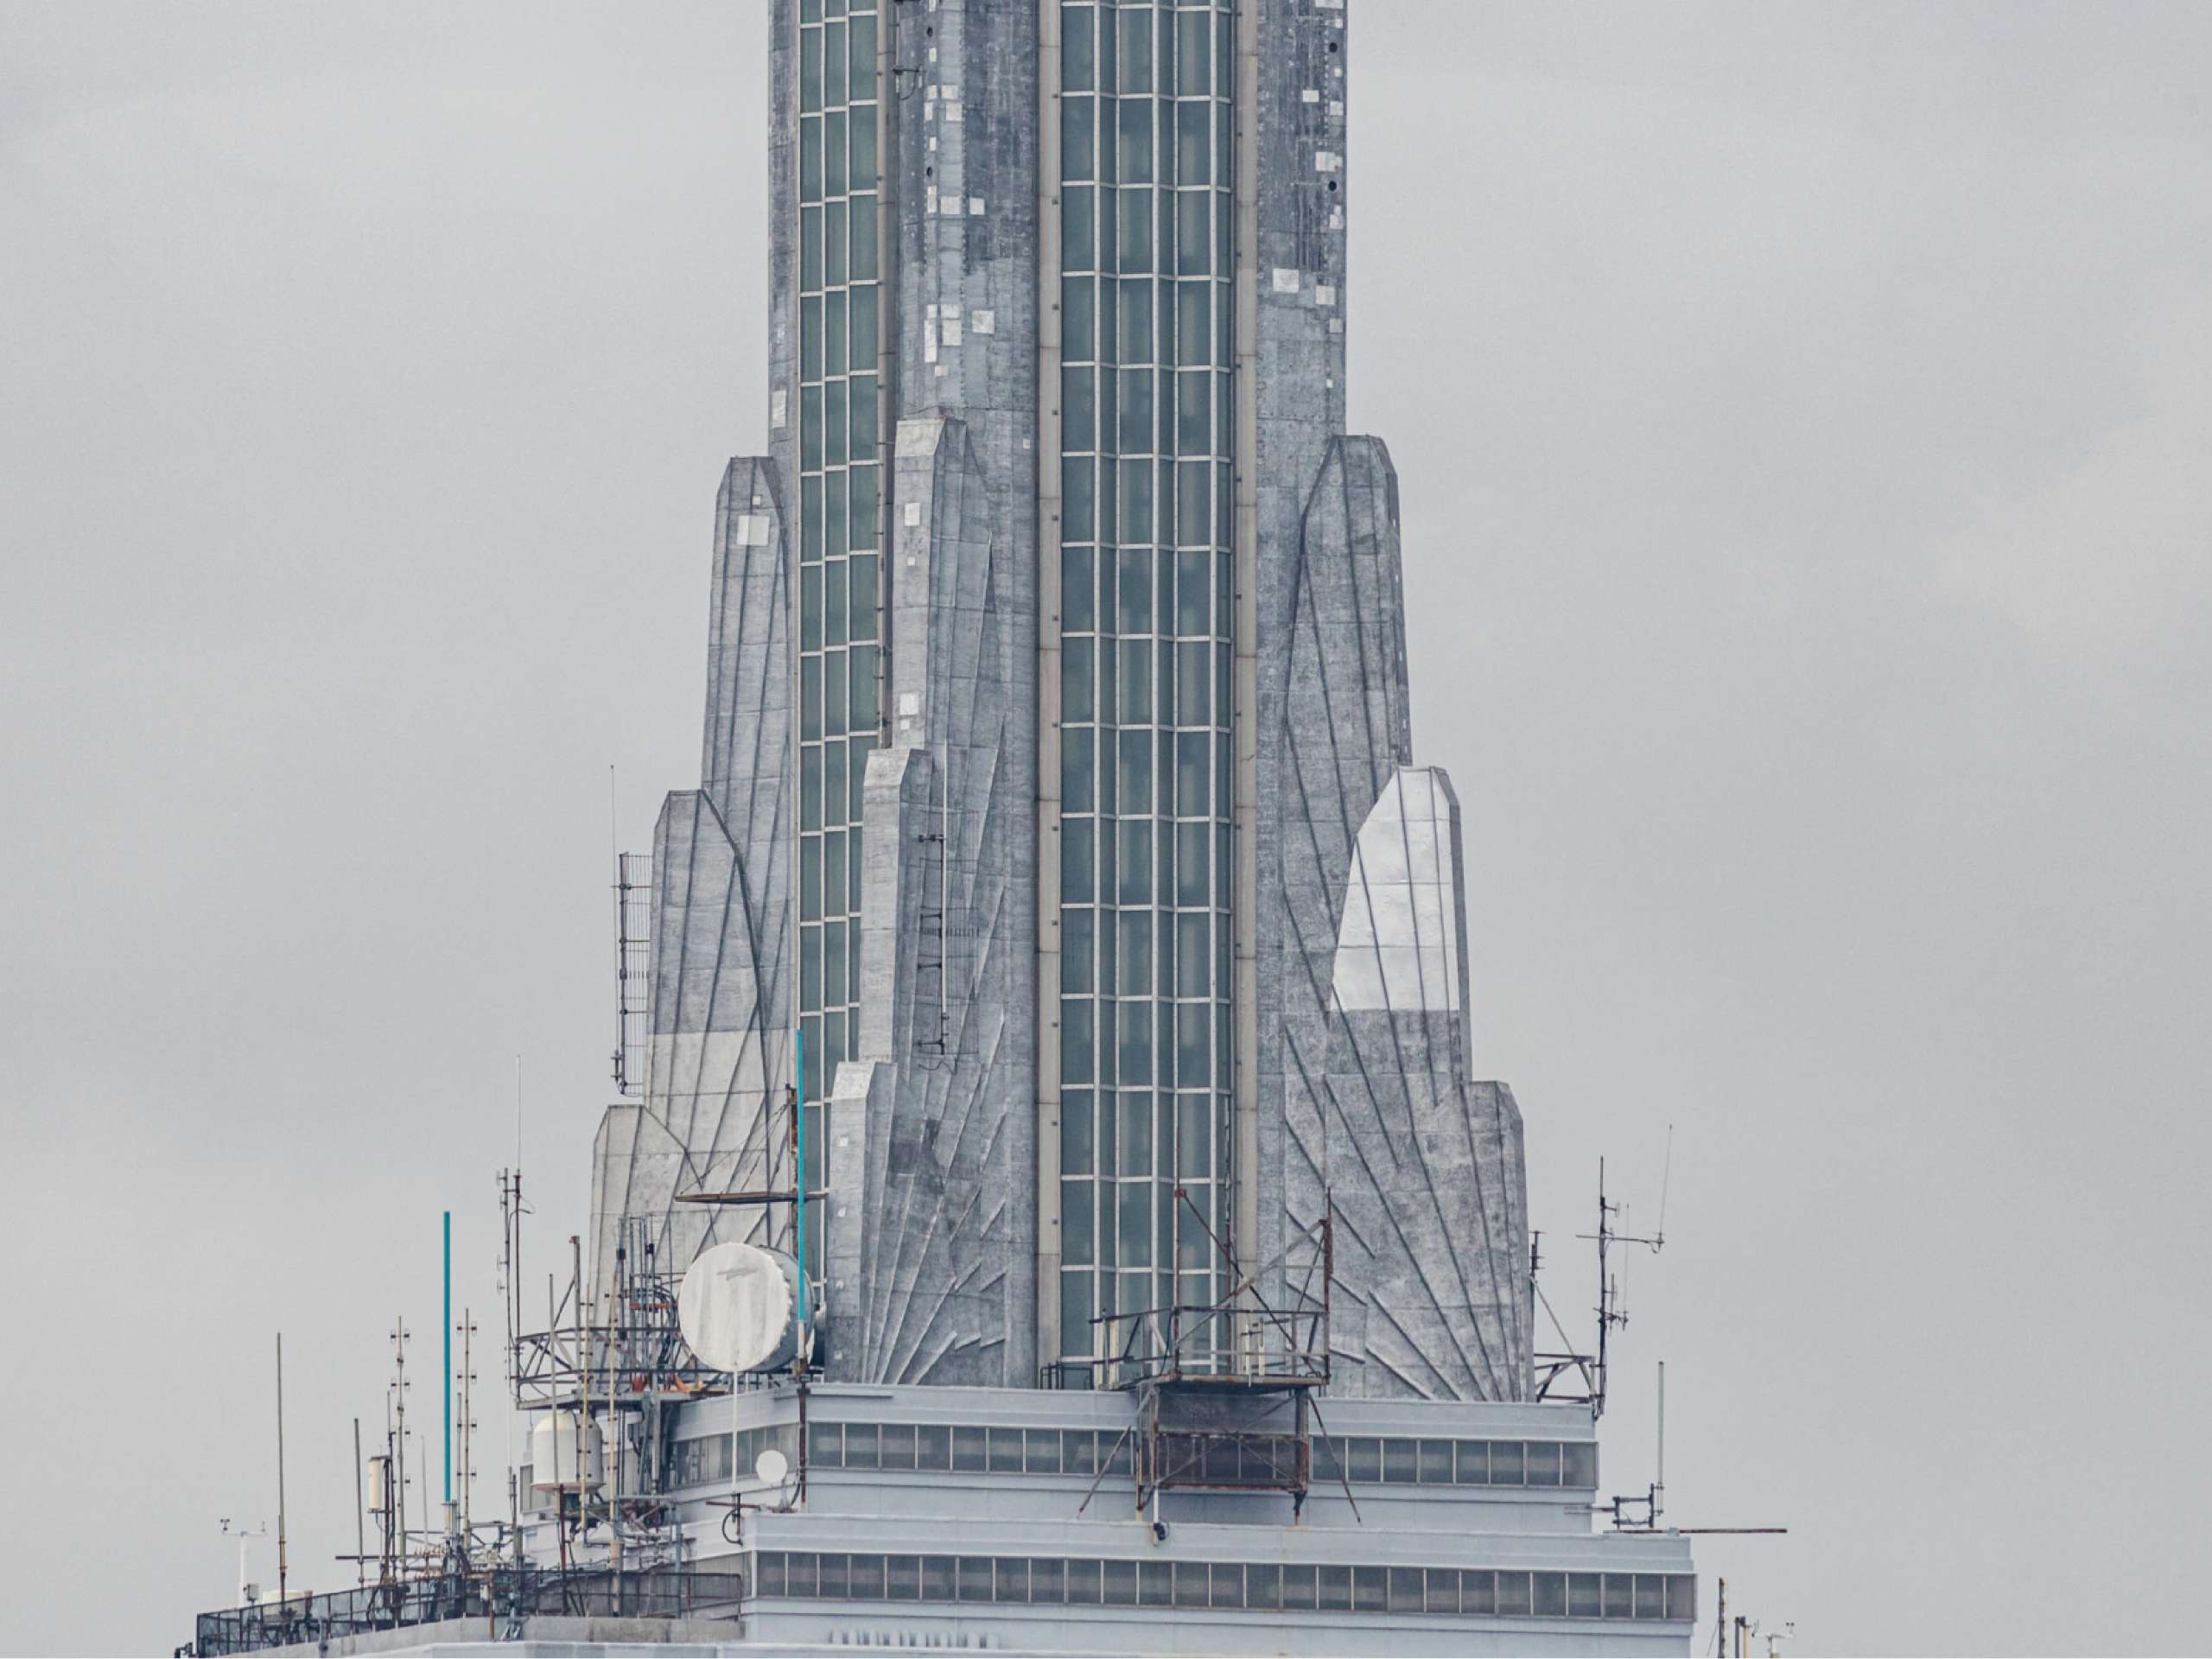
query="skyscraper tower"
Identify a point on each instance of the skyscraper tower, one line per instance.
(1058, 836)
(1057, 1211)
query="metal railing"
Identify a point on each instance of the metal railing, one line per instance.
(496, 1595)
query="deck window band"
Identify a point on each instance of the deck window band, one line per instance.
(1057, 1581)
(978, 1449)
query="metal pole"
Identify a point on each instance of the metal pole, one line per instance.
(360, 1508)
(1659, 1486)
(447, 1391)
(281, 1568)
(584, 1387)
(801, 1050)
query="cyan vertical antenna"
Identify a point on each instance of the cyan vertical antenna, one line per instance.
(800, 1183)
(445, 1387)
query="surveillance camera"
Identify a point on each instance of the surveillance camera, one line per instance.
(1159, 1532)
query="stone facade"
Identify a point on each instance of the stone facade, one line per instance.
(936, 1170)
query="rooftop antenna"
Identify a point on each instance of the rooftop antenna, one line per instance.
(248, 1592)
(360, 1515)
(1593, 1369)
(446, 1404)
(1610, 1311)
(281, 1568)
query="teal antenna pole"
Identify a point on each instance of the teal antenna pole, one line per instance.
(445, 1387)
(801, 1182)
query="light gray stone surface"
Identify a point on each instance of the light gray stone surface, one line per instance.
(932, 1231)
(1377, 1117)
(933, 1154)
(720, 1010)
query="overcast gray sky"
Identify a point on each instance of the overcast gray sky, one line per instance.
(1803, 415)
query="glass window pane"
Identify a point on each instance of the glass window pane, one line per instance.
(1120, 1584)
(1048, 1581)
(860, 1445)
(1513, 1598)
(1436, 1463)
(974, 1578)
(1012, 1576)
(1542, 1463)
(1077, 58)
(1473, 1465)
(937, 1578)
(1579, 1464)
(1442, 1590)
(1582, 1597)
(1551, 1595)
(969, 1447)
(932, 1446)
(902, 1578)
(897, 1445)
(1400, 1461)
(1084, 1585)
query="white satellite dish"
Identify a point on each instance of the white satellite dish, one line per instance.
(738, 1307)
(771, 1467)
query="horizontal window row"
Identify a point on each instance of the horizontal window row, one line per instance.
(1146, 139)
(837, 423)
(837, 698)
(1136, 228)
(1129, 861)
(839, 332)
(1112, 1043)
(1104, 1319)
(832, 779)
(837, 244)
(836, 151)
(1137, 320)
(1363, 1460)
(1135, 1131)
(838, 601)
(839, 512)
(1139, 1223)
(1186, 503)
(1182, 46)
(836, 62)
(1371, 1460)
(813, 11)
(1143, 953)
(968, 1448)
(1130, 412)
(1233, 1585)
(702, 1461)
(1134, 682)
(1132, 591)
(1112, 772)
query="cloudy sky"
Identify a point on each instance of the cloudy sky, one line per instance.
(1803, 415)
